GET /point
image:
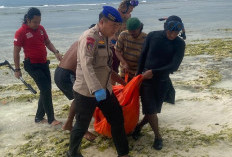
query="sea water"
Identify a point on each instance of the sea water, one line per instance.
(65, 20)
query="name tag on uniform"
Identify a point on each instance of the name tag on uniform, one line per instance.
(101, 44)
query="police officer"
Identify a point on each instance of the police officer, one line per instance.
(162, 55)
(93, 87)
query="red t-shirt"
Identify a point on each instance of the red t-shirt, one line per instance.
(33, 43)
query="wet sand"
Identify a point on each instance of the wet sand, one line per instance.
(199, 124)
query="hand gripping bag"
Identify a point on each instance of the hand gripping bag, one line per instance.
(128, 97)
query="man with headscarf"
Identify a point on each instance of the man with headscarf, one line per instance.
(162, 55)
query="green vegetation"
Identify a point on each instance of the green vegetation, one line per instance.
(28, 97)
(56, 142)
(225, 30)
(209, 78)
(218, 47)
(52, 142)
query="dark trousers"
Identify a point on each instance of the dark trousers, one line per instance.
(41, 75)
(111, 109)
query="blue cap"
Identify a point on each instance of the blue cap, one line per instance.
(111, 14)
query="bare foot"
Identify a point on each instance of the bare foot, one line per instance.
(43, 121)
(67, 126)
(55, 122)
(89, 136)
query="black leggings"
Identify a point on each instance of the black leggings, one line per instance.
(111, 109)
(41, 75)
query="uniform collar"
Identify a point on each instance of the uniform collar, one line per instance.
(99, 33)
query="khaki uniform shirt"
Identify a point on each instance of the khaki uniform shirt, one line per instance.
(94, 60)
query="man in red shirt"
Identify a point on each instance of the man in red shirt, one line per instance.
(33, 38)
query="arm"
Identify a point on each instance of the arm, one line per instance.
(176, 61)
(117, 78)
(119, 51)
(17, 50)
(52, 48)
(143, 55)
(122, 60)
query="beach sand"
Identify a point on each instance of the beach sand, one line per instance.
(199, 124)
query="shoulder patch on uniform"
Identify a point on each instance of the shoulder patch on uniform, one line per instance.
(90, 39)
(90, 43)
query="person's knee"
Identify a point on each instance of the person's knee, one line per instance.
(83, 121)
(152, 116)
(117, 118)
(45, 90)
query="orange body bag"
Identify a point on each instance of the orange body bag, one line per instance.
(128, 97)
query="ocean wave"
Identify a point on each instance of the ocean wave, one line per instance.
(56, 5)
(84, 9)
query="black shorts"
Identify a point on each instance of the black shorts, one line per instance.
(153, 93)
(64, 80)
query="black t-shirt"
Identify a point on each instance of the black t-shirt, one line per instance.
(161, 55)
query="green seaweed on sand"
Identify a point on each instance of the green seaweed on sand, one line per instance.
(225, 29)
(29, 97)
(20, 98)
(176, 141)
(221, 91)
(14, 87)
(51, 57)
(56, 142)
(53, 66)
(61, 110)
(103, 143)
(220, 48)
(207, 79)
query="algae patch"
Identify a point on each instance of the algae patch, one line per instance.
(220, 48)
(29, 97)
(209, 78)
(53, 142)
(225, 30)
